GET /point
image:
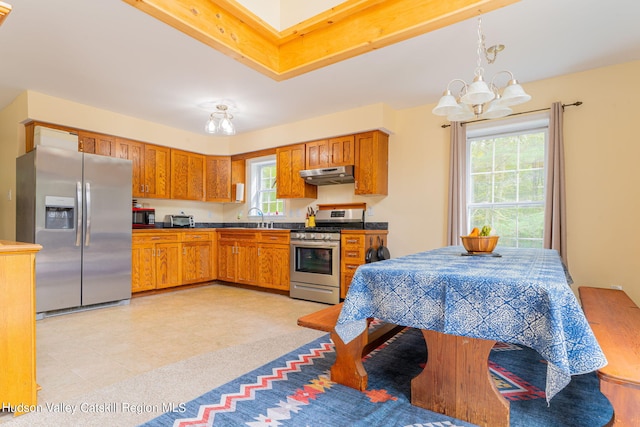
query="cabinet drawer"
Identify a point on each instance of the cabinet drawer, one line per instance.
(355, 255)
(353, 241)
(155, 238)
(194, 236)
(237, 235)
(274, 237)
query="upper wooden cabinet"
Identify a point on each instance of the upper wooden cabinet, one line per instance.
(371, 163)
(187, 175)
(96, 143)
(134, 151)
(325, 153)
(157, 169)
(218, 178)
(290, 160)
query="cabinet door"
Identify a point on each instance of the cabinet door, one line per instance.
(342, 150)
(290, 161)
(317, 154)
(157, 171)
(168, 264)
(226, 260)
(134, 151)
(218, 179)
(247, 263)
(143, 267)
(187, 175)
(196, 262)
(97, 143)
(371, 163)
(273, 266)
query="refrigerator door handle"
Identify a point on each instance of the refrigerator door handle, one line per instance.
(79, 213)
(87, 235)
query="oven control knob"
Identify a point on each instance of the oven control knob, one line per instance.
(299, 235)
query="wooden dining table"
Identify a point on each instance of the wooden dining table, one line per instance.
(465, 304)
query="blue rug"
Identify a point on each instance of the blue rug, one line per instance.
(295, 390)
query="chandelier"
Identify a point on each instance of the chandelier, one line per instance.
(220, 121)
(479, 99)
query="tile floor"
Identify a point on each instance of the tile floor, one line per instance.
(81, 352)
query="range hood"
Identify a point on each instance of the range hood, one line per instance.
(328, 176)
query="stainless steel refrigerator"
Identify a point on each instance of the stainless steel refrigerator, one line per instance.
(78, 207)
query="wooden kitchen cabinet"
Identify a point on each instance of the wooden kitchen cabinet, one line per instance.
(353, 250)
(371, 163)
(156, 261)
(96, 143)
(237, 256)
(134, 151)
(198, 257)
(143, 271)
(218, 178)
(187, 175)
(290, 160)
(157, 171)
(18, 325)
(331, 152)
(274, 259)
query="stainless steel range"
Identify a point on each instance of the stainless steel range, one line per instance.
(315, 255)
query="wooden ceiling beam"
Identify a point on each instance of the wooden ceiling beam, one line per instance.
(5, 10)
(349, 29)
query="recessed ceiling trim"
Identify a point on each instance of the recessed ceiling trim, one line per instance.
(347, 30)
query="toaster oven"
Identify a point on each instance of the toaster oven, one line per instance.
(179, 221)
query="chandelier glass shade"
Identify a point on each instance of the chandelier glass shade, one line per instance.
(481, 100)
(220, 121)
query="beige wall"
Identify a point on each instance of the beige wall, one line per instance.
(600, 146)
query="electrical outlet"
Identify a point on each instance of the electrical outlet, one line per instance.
(370, 211)
(618, 287)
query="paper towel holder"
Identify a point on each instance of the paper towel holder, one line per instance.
(239, 193)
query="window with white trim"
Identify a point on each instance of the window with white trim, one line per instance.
(506, 179)
(263, 187)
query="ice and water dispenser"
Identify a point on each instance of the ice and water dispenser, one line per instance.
(60, 212)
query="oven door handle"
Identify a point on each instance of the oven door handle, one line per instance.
(316, 244)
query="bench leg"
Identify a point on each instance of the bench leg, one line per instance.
(348, 369)
(625, 399)
(456, 381)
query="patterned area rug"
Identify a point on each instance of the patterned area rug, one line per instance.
(295, 390)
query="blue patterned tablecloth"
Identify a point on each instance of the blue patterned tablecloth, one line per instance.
(521, 297)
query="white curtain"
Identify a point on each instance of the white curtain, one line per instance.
(457, 220)
(555, 216)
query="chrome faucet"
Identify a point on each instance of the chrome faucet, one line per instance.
(261, 225)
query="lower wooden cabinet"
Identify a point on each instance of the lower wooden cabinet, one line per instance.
(164, 259)
(274, 259)
(167, 258)
(354, 245)
(198, 257)
(18, 388)
(237, 256)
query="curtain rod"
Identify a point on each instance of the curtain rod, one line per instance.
(575, 104)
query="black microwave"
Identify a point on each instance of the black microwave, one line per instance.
(143, 218)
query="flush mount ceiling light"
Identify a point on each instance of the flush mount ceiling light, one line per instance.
(479, 99)
(220, 121)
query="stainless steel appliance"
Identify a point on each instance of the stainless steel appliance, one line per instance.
(328, 176)
(180, 221)
(315, 255)
(77, 206)
(143, 218)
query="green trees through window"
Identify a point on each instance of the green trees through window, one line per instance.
(506, 186)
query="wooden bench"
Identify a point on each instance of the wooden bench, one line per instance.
(342, 370)
(615, 321)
